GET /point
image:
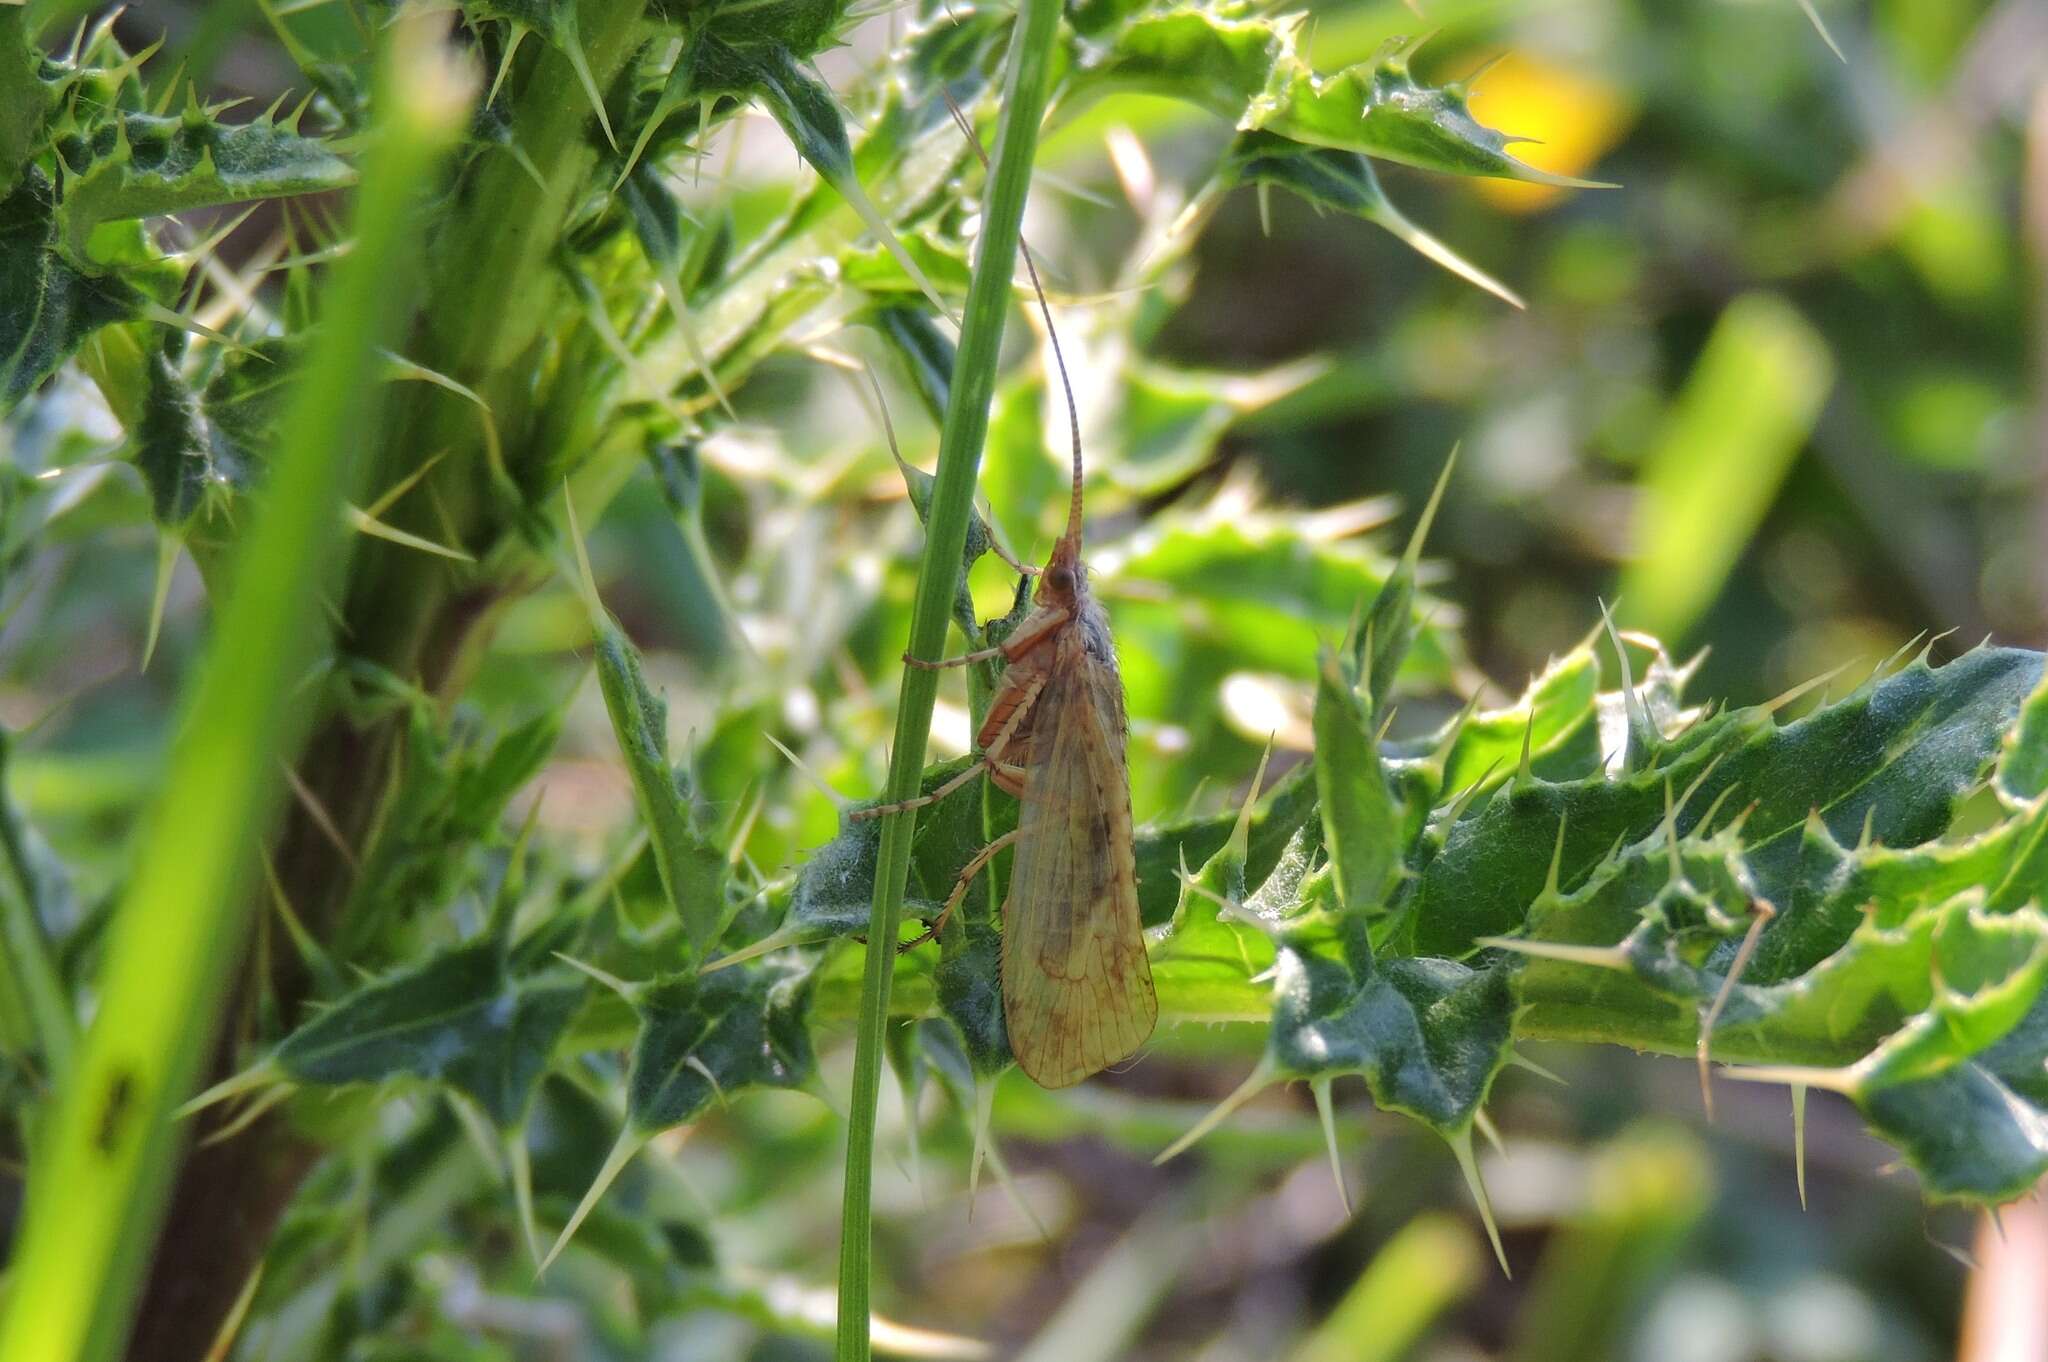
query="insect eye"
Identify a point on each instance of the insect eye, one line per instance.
(1062, 578)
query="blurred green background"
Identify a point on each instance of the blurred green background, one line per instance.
(1780, 394)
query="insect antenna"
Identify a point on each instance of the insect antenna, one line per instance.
(1052, 333)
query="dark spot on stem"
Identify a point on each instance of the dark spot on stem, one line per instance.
(115, 1111)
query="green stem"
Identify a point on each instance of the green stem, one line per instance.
(97, 1196)
(960, 441)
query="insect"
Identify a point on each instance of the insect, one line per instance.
(1077, 988)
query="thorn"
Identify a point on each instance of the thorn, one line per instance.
(1671, 834)
(1813, 17)
(1454, 730)
(1485, 1126)
(1463, 799)
(1525, 775)
(167, 548)
(255, 1076)
(321, 818)
(1327, 1113)
(1706, 822)
(1638, 715)
(1828, 1080)
(1763, 913)
(1461, 1145)
(1413, 554)
(1600, 957)
(1928, 652)
(362, 522)
(1522, 1061)
(246, 1117)
(1772, 706)
(520, 1165)
(1244, 1092)
(1550, 880)
(824, 786)
(1425, 244)
(629, 1144)
(1799, 1140)
(609, 980)
(985, 1144)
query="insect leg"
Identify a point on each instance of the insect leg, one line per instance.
(964, 660)
(967, 873)
(862, 815)
(991, 760)
(1029, 635)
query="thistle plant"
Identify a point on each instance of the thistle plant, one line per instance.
(355, 987)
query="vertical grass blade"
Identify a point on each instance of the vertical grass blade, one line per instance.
(960, 441)
(1732, 436)
(96, 1193)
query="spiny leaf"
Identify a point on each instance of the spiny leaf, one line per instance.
(555, 21)
(1556, 716)
(1361, 823)
(138, 165)
(47, 305)
(459, 1018)
(691, 865)
(1247, 69)
(26, 100)
(1900, 751)
(1379, 649)
(968, 981)
(172, 448)
(1214, 946)
(2023, 765)
(706, 1038)
(1345, 181)
(1427, 1035)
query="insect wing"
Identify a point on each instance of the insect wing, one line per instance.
(1077, 990)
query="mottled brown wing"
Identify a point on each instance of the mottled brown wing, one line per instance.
(1077, 990)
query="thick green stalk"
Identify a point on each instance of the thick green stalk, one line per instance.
(960, 441)
(97, 1194)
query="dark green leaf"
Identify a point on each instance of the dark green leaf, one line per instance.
(707, 1037)
(1427, 1035)
(1899, 753)
(692, 866)
(459, 1018)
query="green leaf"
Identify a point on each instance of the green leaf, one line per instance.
(692, 866)
(26, 101)
(927, 355)
(1214, 946)
(1428, 1036)
(1345, 181)
(968, 982)
(459, 1018)
(47, 306)
(138, 165)
(1379, 108)
(1162, 849)
(1249, 71)
(1362, 826)
(1898, 752)
(1556, 715)
(171, 444)
(2023, 766)
(707, 1037)
(241, 403)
